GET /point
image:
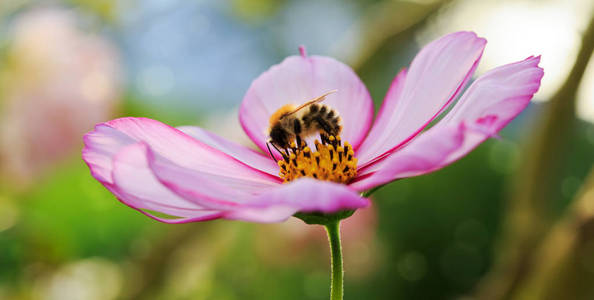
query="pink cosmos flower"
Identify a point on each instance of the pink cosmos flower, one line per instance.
(195, 175)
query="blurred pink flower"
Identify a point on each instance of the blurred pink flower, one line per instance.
(58, 82)
(195, 175)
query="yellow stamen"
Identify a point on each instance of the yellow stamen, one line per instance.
(330, 162)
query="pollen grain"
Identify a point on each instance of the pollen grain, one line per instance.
(332, 160)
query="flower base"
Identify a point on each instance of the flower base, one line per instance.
(317, 218)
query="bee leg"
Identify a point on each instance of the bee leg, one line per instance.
(297, 129)
(323, 137)
(299, 141)
(324, 125)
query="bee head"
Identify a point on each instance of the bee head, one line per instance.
(280, 137)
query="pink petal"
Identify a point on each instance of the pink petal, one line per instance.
(204, 187)
(109, 138)
(302, 195)
(136, 186)
(248, 201)
(248, 156)
(493, 101)
(383, 121)
(238, 199)
(298, 79)
(436, 75)
(422, 155)
(101, 145)
(516, 80)
(488, 105)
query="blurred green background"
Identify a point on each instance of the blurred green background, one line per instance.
(512, 220)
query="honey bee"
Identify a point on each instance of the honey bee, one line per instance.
(294, 123)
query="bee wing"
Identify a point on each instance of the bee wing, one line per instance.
(312, 101)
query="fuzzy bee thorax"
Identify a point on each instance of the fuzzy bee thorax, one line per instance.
(281, 113)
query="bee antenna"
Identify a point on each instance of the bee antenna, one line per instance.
(280, 152)
(270, 151)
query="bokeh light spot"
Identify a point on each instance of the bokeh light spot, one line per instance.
(9, 214)
(412, 266)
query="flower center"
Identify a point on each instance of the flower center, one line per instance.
(332, 161)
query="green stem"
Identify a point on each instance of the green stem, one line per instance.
(336, 287)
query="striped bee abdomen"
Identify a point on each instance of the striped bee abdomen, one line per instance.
(321, 118)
